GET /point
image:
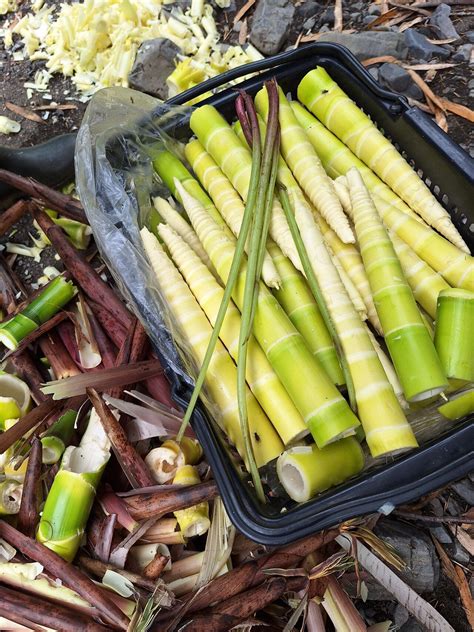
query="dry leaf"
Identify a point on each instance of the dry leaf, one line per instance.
(429, 66)
(439, 114)
(17, 109)
(61, 106)
(463, 538)
(460, 110)
(442, 41)
(382, 59)
(408, 25)
(384, 17)
(338, 15)
(243, 10)
(244, 29)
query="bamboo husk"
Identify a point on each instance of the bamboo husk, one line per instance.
(59, 358)
(28, 422)
(11, 215)
(45, 613)
(129, 459)
(244, 605)
(65, 204)
(107, 349)
(18, 623)
(31, 496)
(28, 371)
(156, 567)
(154, 505)
(98, 568)
(66, 572)
(115, 331)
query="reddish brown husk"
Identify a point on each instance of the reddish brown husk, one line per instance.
(16, 618)
(66, 572)
(107, 349)
(11, 215)
(143, 506)
(55, 200)
(58, 356)
(244, 604)
(131, 462)
(157, 565)
(98, 568)
(46, 613)
(83, 273)
(29, 421)
(31, 496)
(28, 371)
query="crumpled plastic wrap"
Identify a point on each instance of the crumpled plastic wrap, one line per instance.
(115, 181)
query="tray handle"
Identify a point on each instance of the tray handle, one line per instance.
(268, 63)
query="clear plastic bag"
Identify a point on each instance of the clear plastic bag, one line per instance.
(116, 182)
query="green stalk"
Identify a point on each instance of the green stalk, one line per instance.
(318, 296)
(458, 407)
(326, 100)
(453, 333)
(324, 410)
(258, 238)
(78, 233)
(55, 295)
(408, 341)
(72, 493)
(305, 471)
(57, 437)
(298, 302)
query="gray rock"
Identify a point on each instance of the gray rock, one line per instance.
(397, 78)
(441, 534)
(400, 616)
(155, 61)
(437, 507)
(460, 554)
(324, 29)
(419, 47)
(270, 25)
(308, 9)
(309, 23)
(442, 24)
(463, 53)
(470, 37)
(367, 19)
(465, 488)
(412, 625)
(365, 45)
(374, 9)
(453, 508)
(327, 16)
(374, 72)
(417, 551)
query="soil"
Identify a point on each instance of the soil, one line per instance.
(451, 83)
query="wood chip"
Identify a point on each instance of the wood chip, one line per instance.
(441, 66)
(244, 29)
(243, 10)
(21, 111)
(338, 16)
(59, 106)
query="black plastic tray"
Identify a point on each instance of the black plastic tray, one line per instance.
(450, 172)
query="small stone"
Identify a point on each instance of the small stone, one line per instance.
(460, 554)
(308, 9)
(470, 37)
(463, 53)
(395, 77)
(441, 534)
(417, 551)
(327, 16)
(442, 24)
(154, 62)
(453, 508)
(309, 23)
(465, 488)
(437, 507)
(374, 72)
(374, 9)
(367, 19)
(412, 625)
(420, 48)
(270, 25)
(365, 45)
(400, 616)
(325, 29)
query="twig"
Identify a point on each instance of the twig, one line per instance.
(338, 15)
(11, 215)
(66, 572)
(31, 496)
(26, 368)
(441, 519)
(65, 204)
(98, 568)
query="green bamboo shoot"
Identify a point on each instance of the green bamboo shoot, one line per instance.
(453, 333)
(305, 471)
(261, 378)
(72, 493)
(307, 168)
(57, 437)
(298, 302)
(405, 333)
(221, 379)
(235, 160)
(426, 284)
(459, 406)
(225, 197)
(322, 407)
(324, 98)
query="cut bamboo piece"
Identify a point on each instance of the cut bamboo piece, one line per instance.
(305, 471)
(180, 226)
(405, 333)
(322, 407)
(453, 333)
(261, 378)
(351, 261)
(383, 421)
(227, 200)
(222, 374)
(322, 96)
(426, 284)
(458, 407)
(304, 163)
(298, 302)
(10, 496)
(194, 520)
(455, 266)
(235, 160)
